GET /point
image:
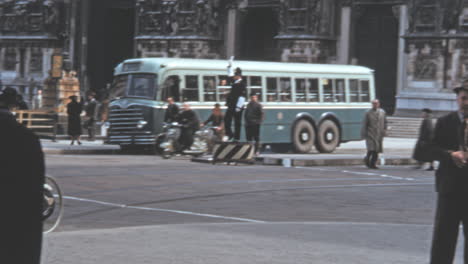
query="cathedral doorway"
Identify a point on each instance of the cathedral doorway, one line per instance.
(258, 29)
(111, 35)
(376, 47)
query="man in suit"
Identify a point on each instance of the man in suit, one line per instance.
(234, 106)
(22, 170)
(449, 147)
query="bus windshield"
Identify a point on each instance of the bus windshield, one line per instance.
(134, 85)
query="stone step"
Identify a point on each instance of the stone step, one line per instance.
(403, 127)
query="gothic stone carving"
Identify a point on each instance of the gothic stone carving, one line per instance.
(179, 48)
(434, 16)
(307, 51)
(29, 16)
(179, 17)
(425, 61)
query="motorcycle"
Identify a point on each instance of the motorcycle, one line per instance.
(169, 142)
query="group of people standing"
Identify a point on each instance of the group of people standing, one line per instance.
(75, 125)
(235, 102)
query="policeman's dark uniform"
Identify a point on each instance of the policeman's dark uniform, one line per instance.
(22, 170)
(171, 113)
(451, 187)
(238, 89)
(190, 123)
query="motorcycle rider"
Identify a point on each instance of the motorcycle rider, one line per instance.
(172, 110)
(190, 123)
(217, 120)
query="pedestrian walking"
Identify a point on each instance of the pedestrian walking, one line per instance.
(22, 169)
(450, 148)
(254, 116)
(92, 111)
(172, 111)
(235, 105)
(426, 132)
(373, 131)
(74, 109)
(217, 120)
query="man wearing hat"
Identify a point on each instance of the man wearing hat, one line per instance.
(449, 147)
(253, 119)
(22, 170)
(235, 105)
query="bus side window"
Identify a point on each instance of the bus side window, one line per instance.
(340, 92)
(364, 94)
(301, 94)
(171, 88)
(254, 85)
(272, 90)
(327, 90)
(354, 91)
(285, 89)
(313, 93)
(190, 91)
(209, 88)
(223, 87)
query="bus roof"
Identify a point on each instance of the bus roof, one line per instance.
(154, 64)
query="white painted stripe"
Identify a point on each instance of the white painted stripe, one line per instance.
(225, 151)
(162, 210)
(241, 152)
(362, 173)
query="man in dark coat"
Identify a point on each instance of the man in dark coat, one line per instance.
(253, 119)
(235, 105)
(74, 109)
(449, 147)
(426, 132)
(22, 170)
(172, 111)
(190, 123)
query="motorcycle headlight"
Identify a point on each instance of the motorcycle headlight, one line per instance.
(141, 123)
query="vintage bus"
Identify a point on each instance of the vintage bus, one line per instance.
(306, 105)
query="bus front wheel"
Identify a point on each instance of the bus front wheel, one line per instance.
(328, 137)
(303, 136)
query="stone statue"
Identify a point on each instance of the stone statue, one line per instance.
(451, 10)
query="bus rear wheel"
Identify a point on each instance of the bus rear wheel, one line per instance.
(303, 136)
(328, 137)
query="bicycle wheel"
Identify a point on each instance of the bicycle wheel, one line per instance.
(52, 211)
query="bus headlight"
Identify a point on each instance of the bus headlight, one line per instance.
(141, 123)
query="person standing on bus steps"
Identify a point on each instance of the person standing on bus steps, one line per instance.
(74, 110)
(426, 132)
(254, 116)
(91, 110)
(172, 111)
(450, 147)
(190, 124)
(22, 168)
(235, 105)
(373, 131)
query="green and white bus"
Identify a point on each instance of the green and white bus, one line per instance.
(305, 105)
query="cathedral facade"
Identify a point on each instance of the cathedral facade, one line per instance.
(418, 48)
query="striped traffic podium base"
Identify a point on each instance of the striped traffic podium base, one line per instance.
(236, 152)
